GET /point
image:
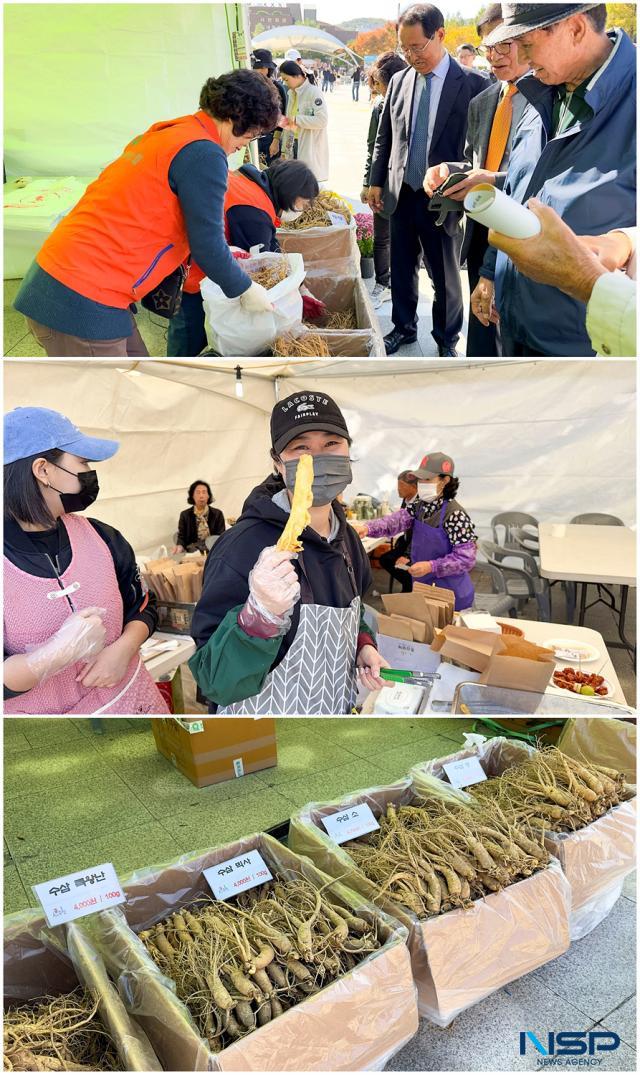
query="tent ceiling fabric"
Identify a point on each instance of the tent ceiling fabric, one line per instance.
(282, 38)
(542, 437)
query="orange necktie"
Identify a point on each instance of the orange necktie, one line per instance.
(500, 130)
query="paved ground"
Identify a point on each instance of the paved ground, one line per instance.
(73, 797)
(348, 126)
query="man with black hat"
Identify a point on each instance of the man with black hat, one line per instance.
(282, 632)
(262, 61)
(575, 151)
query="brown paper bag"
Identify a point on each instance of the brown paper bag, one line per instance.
(518, 673)
(413, 607)
(440, 595)
(473, 649)
(418, 627)
(395, 627)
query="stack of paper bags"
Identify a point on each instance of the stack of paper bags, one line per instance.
(502, 660)
(416, 616)
(175, 583)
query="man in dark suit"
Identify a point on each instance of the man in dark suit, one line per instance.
(423, 123)
(494, 116)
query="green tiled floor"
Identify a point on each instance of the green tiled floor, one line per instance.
(74, 798)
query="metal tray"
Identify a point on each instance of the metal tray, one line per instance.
(482, 700)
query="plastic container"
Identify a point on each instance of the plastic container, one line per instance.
(484, 700)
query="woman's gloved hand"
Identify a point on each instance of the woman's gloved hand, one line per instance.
(312, 309)
(273, 582)
(80, 637)
(273, 591)
(256, 300)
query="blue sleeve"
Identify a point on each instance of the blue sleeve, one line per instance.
(198, 176)
(249, 227)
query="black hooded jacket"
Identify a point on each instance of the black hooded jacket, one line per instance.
(335, 571)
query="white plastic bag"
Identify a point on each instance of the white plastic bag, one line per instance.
(232, 330)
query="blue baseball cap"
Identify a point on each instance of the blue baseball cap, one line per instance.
(30, 430)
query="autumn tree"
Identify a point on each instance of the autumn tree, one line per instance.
(623, 16)
(373, 42)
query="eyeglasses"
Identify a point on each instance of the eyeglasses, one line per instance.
(501, 49)
(417, 49)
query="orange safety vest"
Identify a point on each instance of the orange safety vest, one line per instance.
(241, 190)
(127, 232)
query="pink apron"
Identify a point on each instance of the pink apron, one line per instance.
(33, 612)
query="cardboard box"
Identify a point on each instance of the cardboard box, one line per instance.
(595, 859)
(357, 1023)
(402, 652)
(34, 969)
(330, 249)
(340, 293)
(605, 740)
(208, 750)
(460, 957)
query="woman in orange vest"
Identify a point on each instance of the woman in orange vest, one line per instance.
(161, 200)
(253, 205)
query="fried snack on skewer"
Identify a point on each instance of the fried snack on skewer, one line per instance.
(302, 500)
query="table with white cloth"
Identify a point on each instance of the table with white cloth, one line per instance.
(541, 634)
(599, 555)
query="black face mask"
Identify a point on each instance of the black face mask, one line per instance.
(89, 489)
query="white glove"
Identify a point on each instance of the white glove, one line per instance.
(256, 300)
(273, 583)
(80, 637)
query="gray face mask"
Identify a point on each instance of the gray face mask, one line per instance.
(331, 474)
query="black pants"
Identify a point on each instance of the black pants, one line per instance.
(388, 562)
(186, 337)
(382, 249)
(481, 342)
(512, 348)
(415, 237)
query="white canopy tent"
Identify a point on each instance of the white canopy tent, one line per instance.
(550, 438)
(310, 38)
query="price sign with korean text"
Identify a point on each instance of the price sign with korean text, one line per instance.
(464, 773)
(350, 823)
(78, 894)
(235, 875)
(337, 220)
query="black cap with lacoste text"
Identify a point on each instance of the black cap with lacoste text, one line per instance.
(304, 411)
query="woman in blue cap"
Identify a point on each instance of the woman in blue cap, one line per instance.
(75, 614)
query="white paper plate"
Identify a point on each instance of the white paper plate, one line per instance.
(588, 697)
(585, 652)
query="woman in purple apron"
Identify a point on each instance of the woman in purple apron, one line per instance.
(75, 614)
(443, 539)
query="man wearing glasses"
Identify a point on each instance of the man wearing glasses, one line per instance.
(424, 122)
(494, 116)
(574, 151)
